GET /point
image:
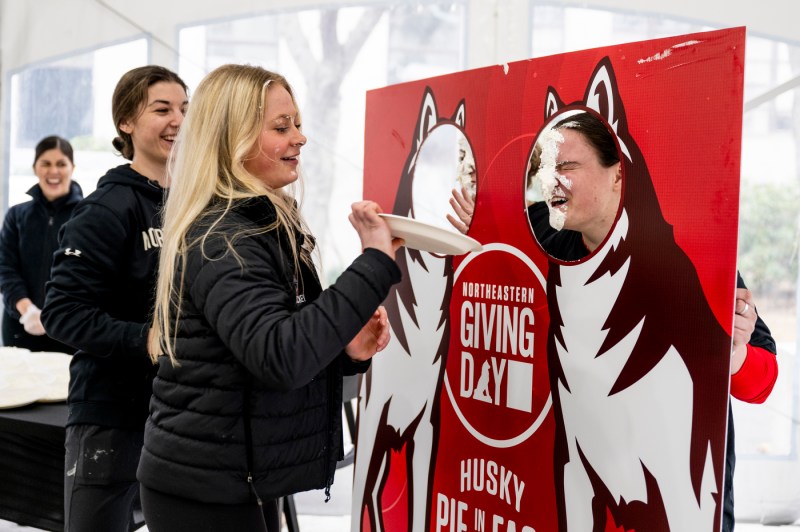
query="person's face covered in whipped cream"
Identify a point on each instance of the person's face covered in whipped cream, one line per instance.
(580, 177)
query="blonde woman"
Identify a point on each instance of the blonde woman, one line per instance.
(247, 401)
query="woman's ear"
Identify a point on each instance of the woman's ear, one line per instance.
(617, 183)
(125, 127)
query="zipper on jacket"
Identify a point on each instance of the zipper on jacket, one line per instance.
(253, 488)
(333, 410)
(248, 439)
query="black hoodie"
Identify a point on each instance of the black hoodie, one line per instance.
(100, 295)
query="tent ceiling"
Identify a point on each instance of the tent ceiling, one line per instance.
(772, 18)
(37, 30)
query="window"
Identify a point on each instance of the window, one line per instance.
(71, 98)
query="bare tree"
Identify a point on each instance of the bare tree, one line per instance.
(324, 76)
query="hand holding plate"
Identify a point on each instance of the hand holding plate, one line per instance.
(372, 230)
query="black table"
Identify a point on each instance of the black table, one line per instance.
(32, 465)
(32, 468)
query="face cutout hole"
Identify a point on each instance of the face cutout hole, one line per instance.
(445, 162)
(573, 184)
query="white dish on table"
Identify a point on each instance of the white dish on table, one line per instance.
(27, 377)
(55, 392)
(16, 397)
(18, 390)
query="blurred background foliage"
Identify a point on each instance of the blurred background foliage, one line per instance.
(768, 239)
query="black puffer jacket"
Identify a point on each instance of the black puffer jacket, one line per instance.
(258, 388)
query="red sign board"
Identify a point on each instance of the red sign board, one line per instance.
(524, 392)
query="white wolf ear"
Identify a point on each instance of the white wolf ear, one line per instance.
(427, 117)
(427, 120)
(460, 116)
(602, 96)
(552, 104)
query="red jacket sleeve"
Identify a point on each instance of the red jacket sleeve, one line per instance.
(754, 381)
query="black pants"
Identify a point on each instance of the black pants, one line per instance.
(101, 493)
(728, 520)
(168, 513)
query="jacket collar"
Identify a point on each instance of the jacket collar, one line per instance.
(74, 195)
(125, 175)
(261, 211)
(258, 209)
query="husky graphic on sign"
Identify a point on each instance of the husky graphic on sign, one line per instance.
(620, 346)
(404, 420)
(525, 391)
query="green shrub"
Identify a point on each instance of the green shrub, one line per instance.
(769, 214)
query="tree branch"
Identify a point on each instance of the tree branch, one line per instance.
(299, 46)
(366, 24)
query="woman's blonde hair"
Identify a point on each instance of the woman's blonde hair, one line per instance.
(207, 174)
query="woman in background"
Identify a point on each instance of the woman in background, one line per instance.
(27, 242)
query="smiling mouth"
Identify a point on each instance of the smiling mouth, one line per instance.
(53, 181)
(558, 202)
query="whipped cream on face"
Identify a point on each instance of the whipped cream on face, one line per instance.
(465, 171)
(550, 179)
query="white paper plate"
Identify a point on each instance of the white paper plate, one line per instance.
(426, 237)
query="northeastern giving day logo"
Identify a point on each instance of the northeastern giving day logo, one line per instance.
(496, 376)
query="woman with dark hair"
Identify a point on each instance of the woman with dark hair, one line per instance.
(100, 298)
(27, 242)
(579, 170)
